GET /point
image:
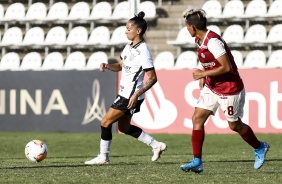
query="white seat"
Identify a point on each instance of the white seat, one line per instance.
(164, 60)
(274, 34)
(255, 34)
(10, 61)
(75, 61)
(186, 60)
(238, 58)
(149, 8)
(121, 11)
(255, 59)
(12, 36)
(99, 36)
(275, 60)
(78, 35)
(15, 11)
(55, 36)
(31, 61)
(102, 10)
(58, 11)
(36, 11)
(275, 9)
(215, 29)
(95, 60)
(79, 11)
(255, 8)
(233, 8)
(118, 37)
(53, 61)
(233, 34)
(33, 36)
(213, 8)
(183, 38)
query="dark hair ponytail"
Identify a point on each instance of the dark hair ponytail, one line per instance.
(140, 22)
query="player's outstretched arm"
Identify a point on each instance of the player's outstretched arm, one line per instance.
(115, 67)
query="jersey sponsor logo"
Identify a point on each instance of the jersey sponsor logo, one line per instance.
(210, 64)
(126, 68)
(158, 112)
(96, 110)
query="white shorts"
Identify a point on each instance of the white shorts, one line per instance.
(232, 105)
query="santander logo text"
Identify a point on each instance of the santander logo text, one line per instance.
(169, 105)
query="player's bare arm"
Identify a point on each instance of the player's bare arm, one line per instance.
(152, 79)
(115, 67)
(224, 68)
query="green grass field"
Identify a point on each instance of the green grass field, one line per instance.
(227, 159)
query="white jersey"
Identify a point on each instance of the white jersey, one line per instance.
(135, 61)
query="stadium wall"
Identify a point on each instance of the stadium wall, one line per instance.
(55, 101)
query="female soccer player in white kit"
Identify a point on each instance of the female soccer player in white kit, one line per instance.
(136, 61)
(221, 85)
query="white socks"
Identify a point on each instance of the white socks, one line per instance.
(105, 146)
(147, 139)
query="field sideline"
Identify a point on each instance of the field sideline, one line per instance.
(227, 159)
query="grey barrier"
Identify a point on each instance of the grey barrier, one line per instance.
(55, 101)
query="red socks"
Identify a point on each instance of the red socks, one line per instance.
(198, 137)
(250, 138)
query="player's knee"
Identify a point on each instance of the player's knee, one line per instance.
(105, 123)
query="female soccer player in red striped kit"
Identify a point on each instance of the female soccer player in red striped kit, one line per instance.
(220, 85)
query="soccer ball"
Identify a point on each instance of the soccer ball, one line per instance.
(36, 150)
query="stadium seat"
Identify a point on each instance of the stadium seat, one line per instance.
(255, 34)
(37, 11)
(121, 12)
(79, 11)
(118, 37)
(186, 60)
(101, 11)
(58, 11)
(275, 60)
(183, 38)
(95, 60)
(33, 36)
(12, 36)
(255, 59)
(213, 8)
(31, 61)
(55, 36)
(53, 61)
(75, 61)
(15, 11)
(149, 8)
(99, 36)
(10, 61)
(238, 57)
(164, 60)
(255, 8)
(275, 9)
(78, 35)
(215, 29)
(233, 34)
(274, 34)
(233, 9)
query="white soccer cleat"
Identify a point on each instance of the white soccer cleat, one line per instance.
(99, 160)
(158, 151)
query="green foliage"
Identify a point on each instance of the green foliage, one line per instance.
(226, 159)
